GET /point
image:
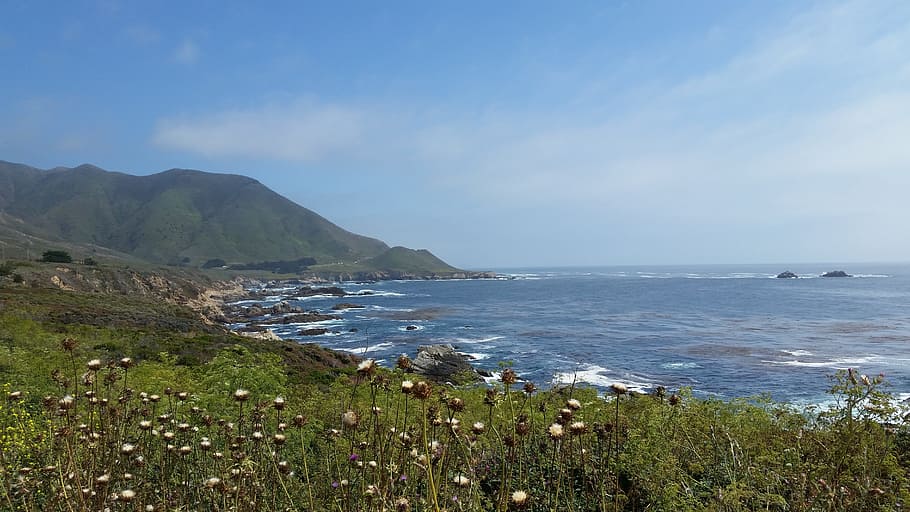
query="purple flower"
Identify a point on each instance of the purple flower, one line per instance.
(403, 477)
(334, 485)
(353, 457)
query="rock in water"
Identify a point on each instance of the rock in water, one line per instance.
(787, 275)
(441, 363)
(836, 273)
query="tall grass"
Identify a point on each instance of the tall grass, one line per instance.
(385, 440)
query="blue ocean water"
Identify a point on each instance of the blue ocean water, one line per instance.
(726, 331)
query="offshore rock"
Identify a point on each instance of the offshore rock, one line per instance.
(441, 363)
(836, 273)
(787, 275)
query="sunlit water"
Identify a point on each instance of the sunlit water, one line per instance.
(721, 330)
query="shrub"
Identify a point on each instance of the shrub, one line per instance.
(55, 256)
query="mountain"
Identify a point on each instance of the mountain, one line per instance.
(182, 217)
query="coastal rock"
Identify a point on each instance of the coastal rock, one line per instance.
(836, 273)
(329, 290)
(787, 275)
(316, 331)
(411, 328)
(347, 305)
(283, 308)
(441, 363)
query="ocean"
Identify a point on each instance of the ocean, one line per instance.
(724, 331)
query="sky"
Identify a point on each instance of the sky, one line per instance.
(498, 134)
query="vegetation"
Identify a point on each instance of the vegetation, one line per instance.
(56, 256)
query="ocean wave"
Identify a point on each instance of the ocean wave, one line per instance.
(595, 375)
(476, 356)
(797, 353)
(369, 348)
(840, 364)
(474, 341)
(680, 365)
(377, 293)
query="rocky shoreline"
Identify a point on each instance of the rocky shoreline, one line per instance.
(244, 314)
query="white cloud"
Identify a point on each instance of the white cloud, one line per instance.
(300, 131)
(187, 53)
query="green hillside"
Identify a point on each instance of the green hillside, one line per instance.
(178, 216)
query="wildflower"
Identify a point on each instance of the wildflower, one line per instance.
(566, 414)
(578, 427)
(94, 365)
(127, 448)
(555, 431)
(529, 387)
(205, 444)
(299, 421)
(456, 404)
(126, 363)
(573, 404)
(376, 410)
(366, 367)
(258, 436)
(404, 362)
(145, 424)
(619, 388)
(461, 481)
(407, 387)
(522, 428)
(284, 467)
(66, 402)
(674, 399)
(14, 395)
(422, 390)
(402, 504)
(519, 498)
(353, 457)
(183, 427)
(279, 439)
(508, 376)
(183, 396)
(241, 395)
(350, 420)
(213, 482)
(69, 344)
(103, 479)
(865, 380)
(278, 403)
(127, 495)
(155, 398)
(372, 464)
(478, 427)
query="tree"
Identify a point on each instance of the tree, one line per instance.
(56, 257)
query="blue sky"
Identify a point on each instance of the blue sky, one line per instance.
(498, 133)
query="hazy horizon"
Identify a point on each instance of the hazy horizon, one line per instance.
(501, 135)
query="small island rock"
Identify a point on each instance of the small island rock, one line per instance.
(442, 363)
(787, 275)
(836, 273)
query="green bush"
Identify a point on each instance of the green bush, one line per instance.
(56, 256)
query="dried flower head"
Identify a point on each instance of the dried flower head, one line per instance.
(69, 344)
(241, 395)
(619, 388)
(14, 395)
(461, 481)
(478, 428)
(529, 387)
(509, 376)
(555, 431)
(278, 403)
(94, 365)
(422, 390)
(366, 367)
(126, 363)
(573, 404)
(127, 448)
(213, 482)
(402, 505)
(578, 428)
(404, 362)
(350, 420)
(519, 498)
(456, 404)
(674, 399)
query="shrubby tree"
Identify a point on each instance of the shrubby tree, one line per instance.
(56, 256)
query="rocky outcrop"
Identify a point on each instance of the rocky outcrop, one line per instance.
(836, 273)
(442, 363)
(316, 331)
(347, 305)
(787, 275)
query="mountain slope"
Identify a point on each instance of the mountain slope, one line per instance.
(177, 216)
